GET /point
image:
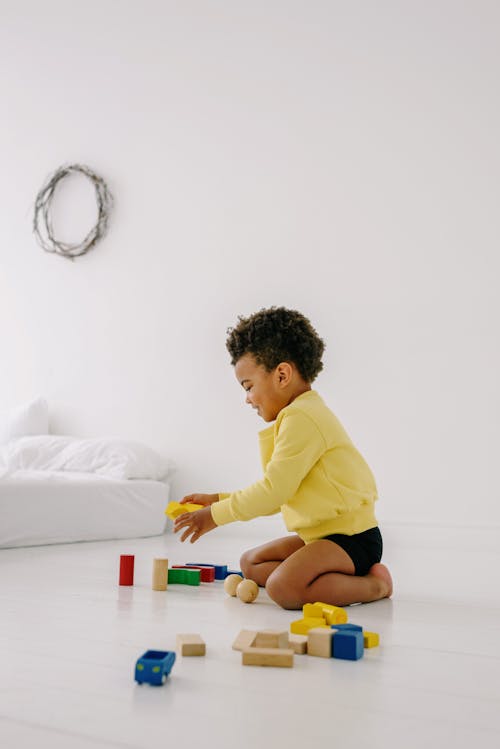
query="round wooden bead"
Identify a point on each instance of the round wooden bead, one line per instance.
(231, 583)
(247, 591)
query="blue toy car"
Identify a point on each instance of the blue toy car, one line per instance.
(154, 666)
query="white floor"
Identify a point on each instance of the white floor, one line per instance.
(70, 636)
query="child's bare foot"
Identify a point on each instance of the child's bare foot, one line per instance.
(382, 574)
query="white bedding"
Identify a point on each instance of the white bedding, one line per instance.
(48, 507)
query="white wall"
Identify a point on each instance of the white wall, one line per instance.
(338, 158)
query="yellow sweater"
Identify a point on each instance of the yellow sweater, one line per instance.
(312, 473)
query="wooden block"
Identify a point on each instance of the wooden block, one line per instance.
(207, 574)
(271, 638)
(312, 610)
(302, 626)
(160, 574)
(188, 644)
(371, 639)
(220, 569)
(126, 569)
(348, 644)
(347, 626)
(298, 644)
(244, 640)
(184, 576)
(333, 614)
(267, 657)
(319, 642)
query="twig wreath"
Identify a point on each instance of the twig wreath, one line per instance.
(42, 222)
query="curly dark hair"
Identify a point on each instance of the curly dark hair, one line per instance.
(276, 335)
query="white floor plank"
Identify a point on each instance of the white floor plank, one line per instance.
(70, 636)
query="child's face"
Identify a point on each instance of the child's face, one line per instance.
(264, 389)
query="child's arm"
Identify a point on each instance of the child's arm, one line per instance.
(298, 445)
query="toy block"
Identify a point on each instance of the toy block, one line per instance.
(333, 614)
(207, 574)
(312, 610)
(235, 572)
(371, 639)
(298, 643)
(190, 645)
(160, 574)
(335, 617)
(154, 666)
(302, 626)
(267, 657)
(244, 640)
(220, 569)
(271, 638)
(126, 569)
(319, 642)
(174, 509)
(347, 627)
(184, 577)
(348, 645)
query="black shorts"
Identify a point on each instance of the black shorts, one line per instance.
(365, 549)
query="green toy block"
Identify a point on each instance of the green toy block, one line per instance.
(184, 577)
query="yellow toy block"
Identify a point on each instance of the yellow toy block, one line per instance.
(302, 626)
(371, 639)
(333, 614)
(174, 509)
(312, 609)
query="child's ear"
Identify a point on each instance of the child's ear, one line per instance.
(284, 373)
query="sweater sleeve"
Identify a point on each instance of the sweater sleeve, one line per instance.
(298, 446)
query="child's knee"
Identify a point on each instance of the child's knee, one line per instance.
(282, 593)
(246, 563)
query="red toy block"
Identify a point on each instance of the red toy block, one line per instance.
(127, 569)
(207, 574)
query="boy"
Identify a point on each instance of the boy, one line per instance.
(312, 473)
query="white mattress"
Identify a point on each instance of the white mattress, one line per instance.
(39, 507)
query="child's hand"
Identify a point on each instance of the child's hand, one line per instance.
(200, 499)
(196, 523)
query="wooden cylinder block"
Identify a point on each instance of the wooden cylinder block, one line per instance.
(160, 574)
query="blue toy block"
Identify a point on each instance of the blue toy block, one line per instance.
(347, 627)
(154, 666)
(348, 645)
(220, 569)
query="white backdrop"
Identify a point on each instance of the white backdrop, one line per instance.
(338, 158)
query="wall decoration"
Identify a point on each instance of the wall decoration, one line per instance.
(42, 222)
